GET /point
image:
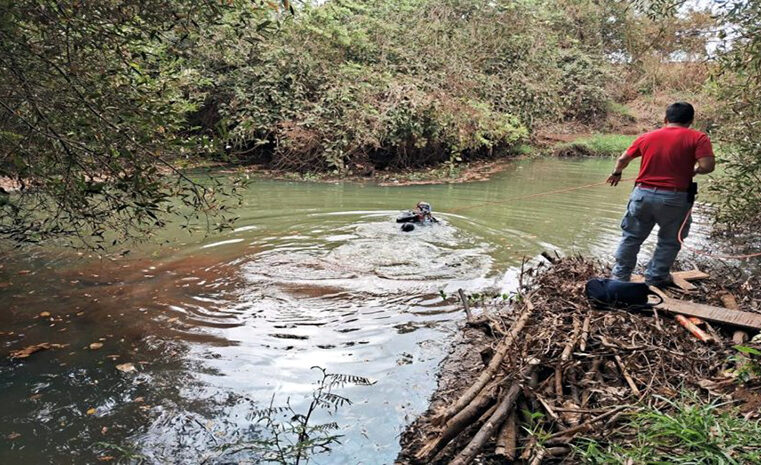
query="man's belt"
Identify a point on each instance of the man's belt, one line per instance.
(644, 185)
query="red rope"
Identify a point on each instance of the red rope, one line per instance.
(709, 254)
(529, 196)
(586, 186)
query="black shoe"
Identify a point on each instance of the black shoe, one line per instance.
(662, 283)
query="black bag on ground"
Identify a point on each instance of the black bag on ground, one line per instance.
(610, 293)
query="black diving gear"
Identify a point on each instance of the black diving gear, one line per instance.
(421, 214)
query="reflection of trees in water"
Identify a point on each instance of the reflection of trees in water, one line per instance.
(72, 405)
(291, 437)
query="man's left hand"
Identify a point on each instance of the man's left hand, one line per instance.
(614, 179)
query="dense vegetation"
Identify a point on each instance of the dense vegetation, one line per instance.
(98, 100)
(739, 86)
(94, 103)
(350, 86)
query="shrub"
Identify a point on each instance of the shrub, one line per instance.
(404, 84)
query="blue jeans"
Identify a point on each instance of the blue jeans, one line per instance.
(646, 209)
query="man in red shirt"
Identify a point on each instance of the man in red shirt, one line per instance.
(671, 156)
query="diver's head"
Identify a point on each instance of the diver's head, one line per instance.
(424, 208)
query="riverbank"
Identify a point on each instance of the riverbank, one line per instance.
(578, 384)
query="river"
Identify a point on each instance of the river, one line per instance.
(312, 275)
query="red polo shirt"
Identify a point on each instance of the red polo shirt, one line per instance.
(669, 155)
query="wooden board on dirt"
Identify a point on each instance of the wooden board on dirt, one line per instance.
(709, 312)
(681, 278)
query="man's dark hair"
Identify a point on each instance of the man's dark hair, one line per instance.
(680, 113)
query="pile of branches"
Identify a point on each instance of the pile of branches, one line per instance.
(558, 370)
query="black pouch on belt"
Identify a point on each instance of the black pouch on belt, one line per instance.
(692, 192)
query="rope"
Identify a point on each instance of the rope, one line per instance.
(586, 186)
(530, 196)
(709, 254)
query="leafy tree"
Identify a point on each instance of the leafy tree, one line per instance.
(737, 84)
(352, 86)
(93, 104)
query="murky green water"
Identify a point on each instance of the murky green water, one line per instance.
(313, 274)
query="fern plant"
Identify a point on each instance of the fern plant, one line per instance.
(292, 437)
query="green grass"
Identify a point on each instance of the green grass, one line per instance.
(620, 109)
(689, 431)
(606, 144)
(523, 149)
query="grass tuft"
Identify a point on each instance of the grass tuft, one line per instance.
(606, 144)
(688, 431)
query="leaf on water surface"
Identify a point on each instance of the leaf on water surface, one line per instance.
(91, 411)
(45, 314)
(27, 351)
(13, 435)
(96, 345)
(105, 458)
(126, 367)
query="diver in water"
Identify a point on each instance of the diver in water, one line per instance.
(421, 215)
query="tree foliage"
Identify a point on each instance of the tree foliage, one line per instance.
(93, 104)
(350, 86)
(739, 86)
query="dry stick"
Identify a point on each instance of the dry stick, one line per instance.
(528, 448)
(557, 451)
(567, 351)
(459, 422)
(587, 424)
(569, 345)
(585, 333)
(729, 301)
(439, 457)
(490, 370)
(559, 382)
(507, 437)
(537, 460)
(547, 407)
(465, 304)
(507, 404)
(626, 376)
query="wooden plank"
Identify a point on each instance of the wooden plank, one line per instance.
(709, 312)
(684, 284)
(690, 275)
(729, 301)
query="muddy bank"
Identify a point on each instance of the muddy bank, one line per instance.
(575, 372)
(465, 172)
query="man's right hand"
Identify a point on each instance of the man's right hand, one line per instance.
(614, 179)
